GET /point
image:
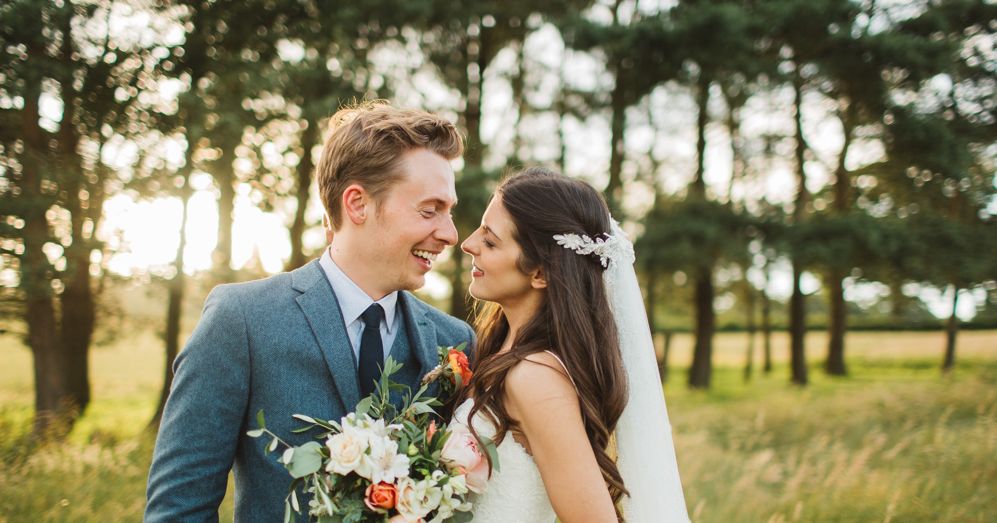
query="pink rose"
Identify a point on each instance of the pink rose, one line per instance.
(477, 477)
(461, 452)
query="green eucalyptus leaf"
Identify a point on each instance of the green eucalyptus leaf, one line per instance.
(306, 419)
(364, 406)
(489, 446)
(306, 459)
(421, 408)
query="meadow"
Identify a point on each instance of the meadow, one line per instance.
(894, 442)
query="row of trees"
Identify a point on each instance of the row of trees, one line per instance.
(243, 88)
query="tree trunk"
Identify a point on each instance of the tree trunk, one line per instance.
(749, 301)
(174, 308)
(766, 326)
(835, 364)
(52, 399)
(303, 183)
(838, 320)
(702, 357)
(663, 364)
(518, 84)
(951, 329)
(78, 319)
(737, 164)
(898, 301)
(797, 303)
(797, 330)
(54, 405)
(698, 188)
(562, 113)
(618, 119)
(78, 309)
(225, 177)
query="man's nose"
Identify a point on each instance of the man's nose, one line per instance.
(448, 231)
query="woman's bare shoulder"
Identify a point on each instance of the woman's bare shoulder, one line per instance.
(539, 376)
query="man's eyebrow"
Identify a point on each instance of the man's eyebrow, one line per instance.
(440, 202)
(490, 231)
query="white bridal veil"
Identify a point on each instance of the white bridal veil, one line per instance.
(646, 453)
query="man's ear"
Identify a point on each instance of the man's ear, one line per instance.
(327, 226)
(356, 201)
(538, 280)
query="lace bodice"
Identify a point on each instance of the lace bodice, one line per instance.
(515, 491)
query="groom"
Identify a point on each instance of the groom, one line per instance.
(313, 341)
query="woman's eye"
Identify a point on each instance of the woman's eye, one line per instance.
(489, 244)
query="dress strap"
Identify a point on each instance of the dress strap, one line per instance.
(565, 367)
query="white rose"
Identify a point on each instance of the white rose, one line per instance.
(416, 499)
(346, 451)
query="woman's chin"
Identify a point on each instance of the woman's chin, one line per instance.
(476, 293)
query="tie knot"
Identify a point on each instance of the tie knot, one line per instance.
(372, 316)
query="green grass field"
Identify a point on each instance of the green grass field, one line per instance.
(895, 441)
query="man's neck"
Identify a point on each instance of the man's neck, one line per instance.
(356, 270)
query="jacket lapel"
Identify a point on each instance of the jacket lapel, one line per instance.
(321, 308)
(423, 332)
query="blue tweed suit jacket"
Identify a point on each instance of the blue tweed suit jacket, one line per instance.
(279, 345)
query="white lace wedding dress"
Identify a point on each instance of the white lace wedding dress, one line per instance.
(515, 492)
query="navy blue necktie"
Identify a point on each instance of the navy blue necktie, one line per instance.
(371, 351)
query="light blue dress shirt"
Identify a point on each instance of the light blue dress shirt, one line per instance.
(353, 301)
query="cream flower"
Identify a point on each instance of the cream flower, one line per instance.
(416, 499)
(346, 451)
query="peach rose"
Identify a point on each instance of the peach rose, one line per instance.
(430, 431)
(381, 496)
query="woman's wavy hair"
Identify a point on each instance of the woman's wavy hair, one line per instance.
(574, 319)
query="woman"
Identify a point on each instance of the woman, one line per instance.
(550, 381)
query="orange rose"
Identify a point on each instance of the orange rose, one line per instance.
(459, 365)
(381, 496)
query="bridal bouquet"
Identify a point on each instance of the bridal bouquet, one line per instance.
(382, 463)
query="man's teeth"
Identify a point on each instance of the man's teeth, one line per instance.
(431, 256)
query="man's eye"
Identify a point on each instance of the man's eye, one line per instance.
(427, 213)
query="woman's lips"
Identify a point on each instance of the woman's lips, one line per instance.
(476, 272)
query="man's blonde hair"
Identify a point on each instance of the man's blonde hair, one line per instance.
(366, 145)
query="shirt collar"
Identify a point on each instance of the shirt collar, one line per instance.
(353, 301)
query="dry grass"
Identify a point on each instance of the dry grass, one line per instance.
(895, 442)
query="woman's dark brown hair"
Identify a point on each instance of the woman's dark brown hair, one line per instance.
(574, 319)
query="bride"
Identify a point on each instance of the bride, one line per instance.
(565, 382)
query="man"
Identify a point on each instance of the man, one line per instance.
(313, 341)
